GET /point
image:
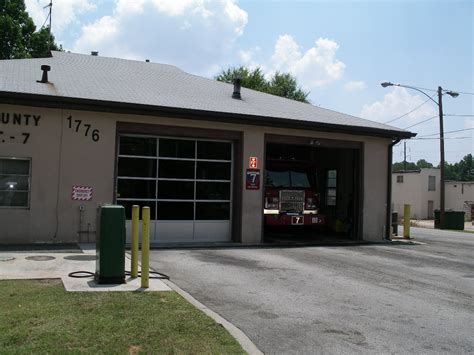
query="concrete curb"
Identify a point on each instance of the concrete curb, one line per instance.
(239, 335)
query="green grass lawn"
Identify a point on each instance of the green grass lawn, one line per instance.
(39, 316)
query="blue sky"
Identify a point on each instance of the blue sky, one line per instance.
(339, 50)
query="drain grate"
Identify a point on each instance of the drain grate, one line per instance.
(6, 258)
(80, 257)
(40, 258)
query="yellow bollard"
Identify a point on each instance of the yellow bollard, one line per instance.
(406, 221)
(145, 247)
(135, 225)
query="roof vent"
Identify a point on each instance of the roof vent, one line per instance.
(95, 53)
(44, 78)
(147, 60)
(236, 93)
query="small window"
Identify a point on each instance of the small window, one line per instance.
(212, 211)
(400, 178)
(213, 171)
(213, 191)
(214, 150)
(431, 183)
(137, 146)
(177, 148)
(14, 182)
(175, 190)
(143, 168)
(135, 188)
(176, 169)
(331, 188)
(175, 211)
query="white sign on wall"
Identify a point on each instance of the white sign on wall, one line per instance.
(82, 193)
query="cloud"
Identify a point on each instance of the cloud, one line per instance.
(398, 102)
(316, 67)
(195, 35)
(247, 57)
(65, 12)
(354, 86)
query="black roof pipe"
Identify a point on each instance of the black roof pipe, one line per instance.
(237, 85)
(44, 77)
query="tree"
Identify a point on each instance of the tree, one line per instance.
(19, 36)
(251, 79)
(461, 171)
(423, 164)
(400, 166)
(285, 85)
(280, 84)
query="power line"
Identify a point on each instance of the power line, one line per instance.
(437, 138)
(416, 108)
(47, 18)
(416, 124)
(455, 115)
(458, 130)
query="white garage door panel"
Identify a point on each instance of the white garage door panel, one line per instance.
(212, 231)
(173, 231)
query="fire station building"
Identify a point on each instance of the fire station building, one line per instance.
(215, 163)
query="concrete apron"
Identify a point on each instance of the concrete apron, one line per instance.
(54, 265)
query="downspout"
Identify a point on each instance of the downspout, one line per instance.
(388, 224)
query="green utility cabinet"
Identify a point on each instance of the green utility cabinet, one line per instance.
(110, 245)
(452, 220)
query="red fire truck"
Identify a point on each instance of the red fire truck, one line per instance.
(292, 196)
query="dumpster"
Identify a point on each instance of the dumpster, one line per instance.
(110, 245)
(452, 220)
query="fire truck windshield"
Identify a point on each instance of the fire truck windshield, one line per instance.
(287, 179)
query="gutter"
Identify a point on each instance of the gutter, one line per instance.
(71, 103)
(388, 223)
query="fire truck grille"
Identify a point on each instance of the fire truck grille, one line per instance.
(291, 201)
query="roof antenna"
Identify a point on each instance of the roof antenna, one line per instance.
(50, 13)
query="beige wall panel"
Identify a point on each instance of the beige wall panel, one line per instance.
(252, 200)
(38, 222)
(88, 163)
(375, 189)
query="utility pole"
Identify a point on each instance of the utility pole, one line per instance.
(405, 155)
(50, 15)
(441, 154)
(50, 5)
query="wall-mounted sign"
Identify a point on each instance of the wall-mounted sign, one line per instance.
(253, 163)
(10, 119)
(82, 193)
(252, 181)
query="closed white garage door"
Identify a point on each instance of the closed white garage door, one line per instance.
(187, 183)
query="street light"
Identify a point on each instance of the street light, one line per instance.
(441, 138)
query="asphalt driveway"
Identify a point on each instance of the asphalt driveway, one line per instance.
(346, 299)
